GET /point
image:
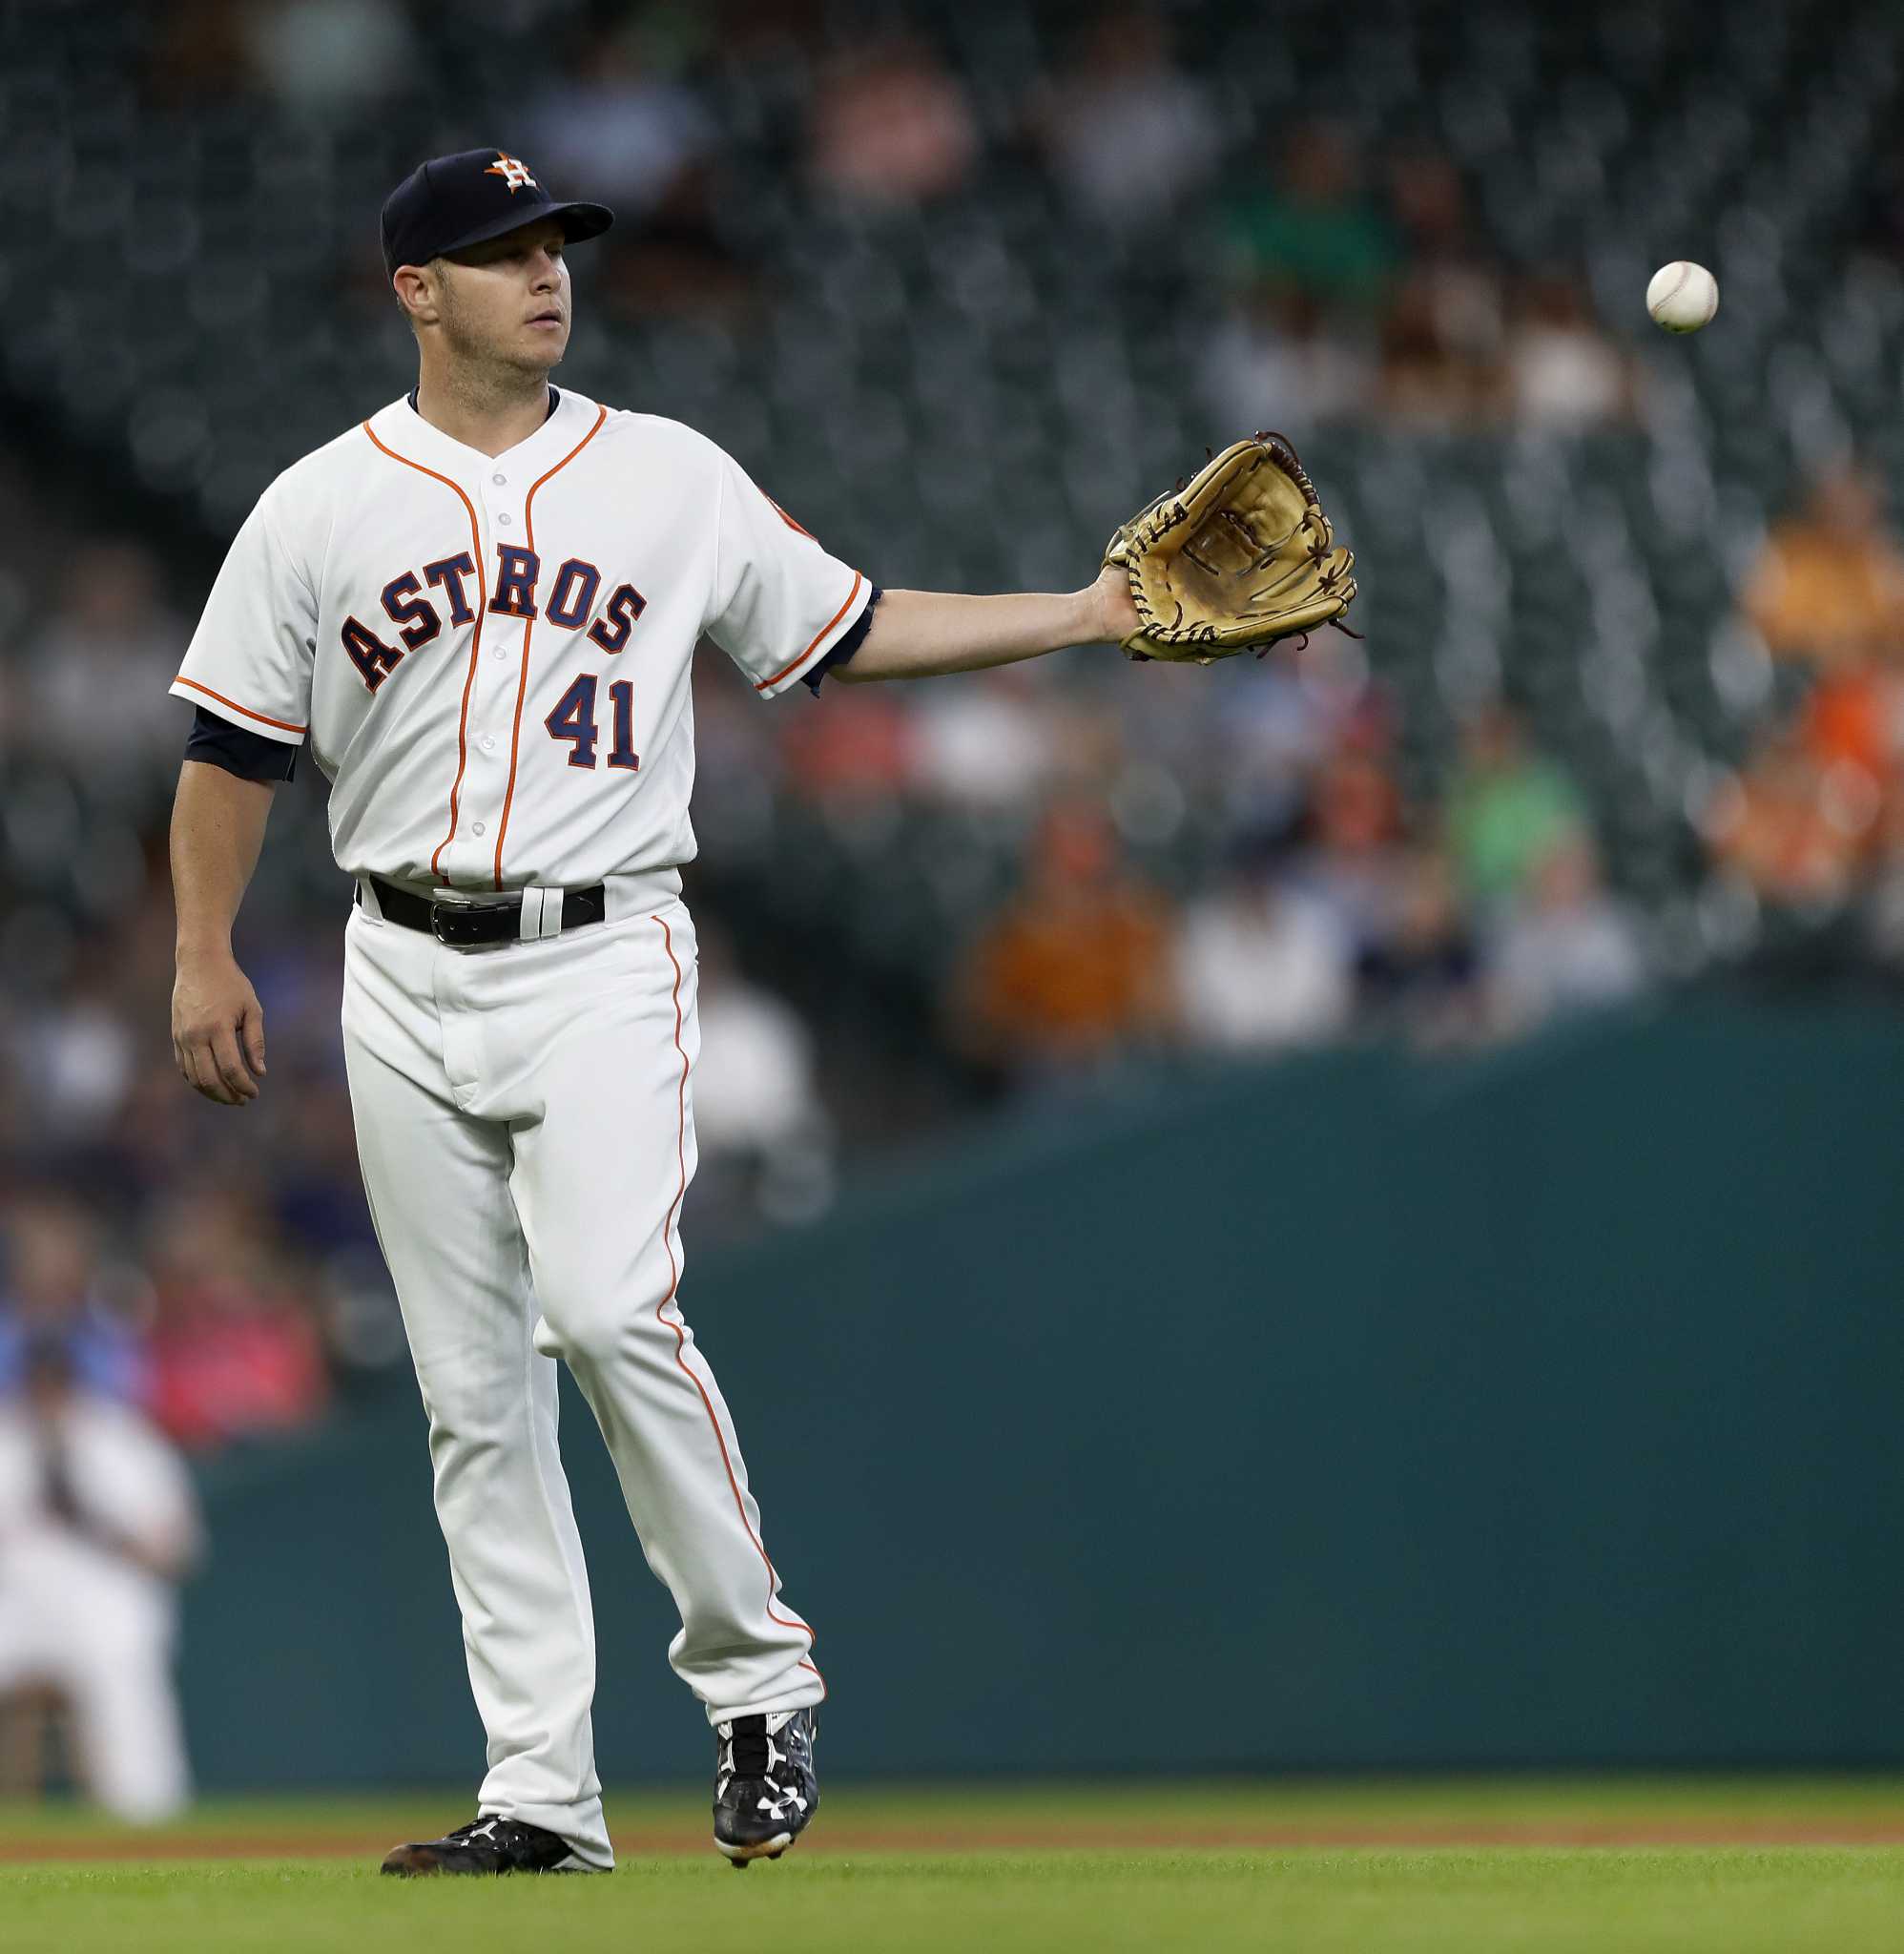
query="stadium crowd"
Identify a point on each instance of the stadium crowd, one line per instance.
(220, 1268)
(1124, 863)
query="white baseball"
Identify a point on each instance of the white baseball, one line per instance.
(1683, 296)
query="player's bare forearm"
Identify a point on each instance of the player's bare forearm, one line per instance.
(217, 829)
(926, 634)
(217, 1026)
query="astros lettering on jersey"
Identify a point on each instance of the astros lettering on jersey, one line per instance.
(494, 674)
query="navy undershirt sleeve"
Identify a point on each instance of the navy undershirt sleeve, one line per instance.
(847, 645)
(250, 755)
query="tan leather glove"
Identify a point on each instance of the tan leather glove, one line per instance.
(1240, 556)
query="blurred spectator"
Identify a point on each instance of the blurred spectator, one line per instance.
(1853, 718)
(97, 1523)
(850, 749)
(1828, 585)
(610, 121)
(1566, 947)
(987, 742)
(1261, 964)
(1793, 830)
(1074, 971)
(616, 120)
(1351, 864)
(1088, 741)
(1460, 284)
(234, 1351)
(316, 1190)
(1564, 373)
(1884, 903)
(1422, 978)
(95, 674)
(53, 1286)
(1507, 809)
(199, 50)
(1127, 133)
(1441, 336)
(1310, 226)
(74, 1052)
(891, 126)
(324, 55)
(1426, 380)
(1279, 360)
(1272, 734)
(764, 1137)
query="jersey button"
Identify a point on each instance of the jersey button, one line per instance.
(504, 518)
(488, 743)
(501, 481)
(477, 828)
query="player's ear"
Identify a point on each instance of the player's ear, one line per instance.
(417, 292)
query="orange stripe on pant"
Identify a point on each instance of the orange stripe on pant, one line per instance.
(680, 1341)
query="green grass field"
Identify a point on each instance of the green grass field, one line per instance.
(1466, 1867)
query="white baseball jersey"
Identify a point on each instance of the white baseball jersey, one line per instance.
(490, 653)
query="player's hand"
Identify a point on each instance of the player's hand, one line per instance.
(1114, 616)
(217, 1030)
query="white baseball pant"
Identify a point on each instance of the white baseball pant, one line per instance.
(525, 1128)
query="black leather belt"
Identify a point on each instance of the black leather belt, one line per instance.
(475, 925)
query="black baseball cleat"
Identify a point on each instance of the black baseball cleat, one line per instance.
(485, 1845)
(765, 1790)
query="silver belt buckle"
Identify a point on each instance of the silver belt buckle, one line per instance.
(454, 902)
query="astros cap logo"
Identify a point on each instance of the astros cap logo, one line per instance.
(512, 172)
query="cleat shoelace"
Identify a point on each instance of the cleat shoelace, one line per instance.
(750, 1754)
(752, 1757)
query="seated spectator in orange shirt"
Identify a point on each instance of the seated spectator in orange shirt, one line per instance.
(1796, 832)
(1075, 969)
(1830, 585)
(1853, 718)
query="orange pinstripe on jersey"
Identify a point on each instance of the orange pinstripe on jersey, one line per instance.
(761, 685)
(681, 1337)
(475, 638)
(262, 718)
(522, 680)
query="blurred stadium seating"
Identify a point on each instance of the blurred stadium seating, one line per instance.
(899, 275)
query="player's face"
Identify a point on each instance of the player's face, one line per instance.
(508, 301)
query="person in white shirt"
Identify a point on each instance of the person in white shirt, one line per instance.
(98, 1521)
(1261, 965)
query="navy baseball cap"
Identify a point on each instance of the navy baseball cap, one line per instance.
(452, 202)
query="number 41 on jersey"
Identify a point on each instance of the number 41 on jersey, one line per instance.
(573, 719)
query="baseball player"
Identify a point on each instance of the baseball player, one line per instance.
(480, 606)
